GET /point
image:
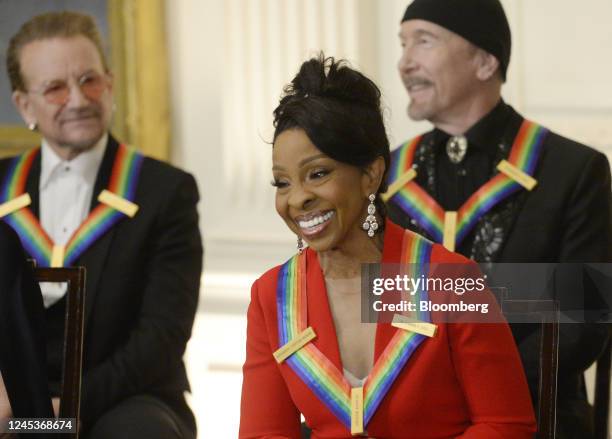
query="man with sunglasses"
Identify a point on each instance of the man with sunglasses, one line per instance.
(83, 198)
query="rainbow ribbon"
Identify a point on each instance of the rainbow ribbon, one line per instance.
(418, 204)
(38, 244)
(315, 369)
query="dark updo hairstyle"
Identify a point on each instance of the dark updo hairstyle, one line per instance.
(340, 111)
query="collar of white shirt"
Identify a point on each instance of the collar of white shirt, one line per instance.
(85, 164)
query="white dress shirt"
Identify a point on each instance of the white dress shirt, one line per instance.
(65, 192)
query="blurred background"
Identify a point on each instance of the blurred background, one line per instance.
(196, 83)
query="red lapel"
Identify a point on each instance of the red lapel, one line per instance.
(319, 311)
(392, 249)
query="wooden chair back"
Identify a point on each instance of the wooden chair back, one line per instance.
(70, 392)
(546, 312)
(602, 393)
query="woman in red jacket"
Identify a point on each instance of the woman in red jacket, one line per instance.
(307, 350)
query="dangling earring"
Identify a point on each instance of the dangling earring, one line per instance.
(300, 245)
(370, 224)
(32, 126)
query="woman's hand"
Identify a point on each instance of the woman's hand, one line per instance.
(55, 402)
(5, 404)
(5, 410)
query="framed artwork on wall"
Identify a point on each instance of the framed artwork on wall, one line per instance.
(134, 32)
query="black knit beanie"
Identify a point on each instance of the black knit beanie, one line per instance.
(481, 22)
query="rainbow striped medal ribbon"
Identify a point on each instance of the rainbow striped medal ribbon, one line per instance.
(116, 203)
(450, 228)
(354, 407)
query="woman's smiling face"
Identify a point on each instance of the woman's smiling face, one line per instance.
(322, 200)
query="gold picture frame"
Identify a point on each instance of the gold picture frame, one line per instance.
(138, 58)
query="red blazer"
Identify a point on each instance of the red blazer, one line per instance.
(466, 382)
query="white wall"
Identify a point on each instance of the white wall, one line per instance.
(230, 60)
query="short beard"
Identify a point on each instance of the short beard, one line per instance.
(82, 146)
(417, 116)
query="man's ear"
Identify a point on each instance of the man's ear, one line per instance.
(373, 176)
(23, 105)
(487, 65)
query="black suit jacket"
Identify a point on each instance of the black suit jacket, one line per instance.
(567, 217)
(22, 342)
(142, 288)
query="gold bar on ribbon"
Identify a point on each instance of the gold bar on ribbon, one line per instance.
(357, 410)
(57, 256)
(294, 345)
(409, 324)
(407, 176)
(118, 203)
(15, 204)
(525, 180)
(450, 230)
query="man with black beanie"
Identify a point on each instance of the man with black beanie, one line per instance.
(454, 62)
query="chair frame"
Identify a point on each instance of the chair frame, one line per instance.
(73, 337)
(602, 392)
(548, 315)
